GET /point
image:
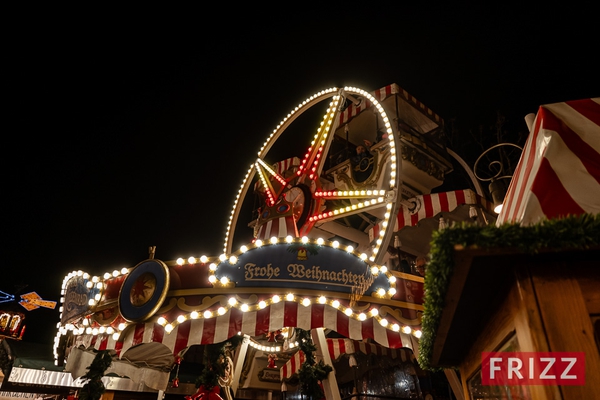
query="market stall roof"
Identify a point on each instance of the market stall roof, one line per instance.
(466, 261)
(559, 171)
(338, 347)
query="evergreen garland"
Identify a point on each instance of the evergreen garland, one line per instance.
(94, 388)
(311, 372)
(572, 232)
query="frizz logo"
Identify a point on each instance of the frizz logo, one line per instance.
(532, 368)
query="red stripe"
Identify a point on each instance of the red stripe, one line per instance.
(235, 321)
(588, 108)
(183, 335)
(119, 347)
(342, 346)
(290, 313)
(103, 342)
(208, 333)
(394, 340)
(274, 229)
(400, 218)
(460, 197)
(366, 327)
(587, 154)
(317, 316)
(342, 324)
(138, 334)
(530, 159)
(158, 333)
(331, 348)
(414, 218)
(263, 318)
(554, 199)
(443, 199)
(428, 205)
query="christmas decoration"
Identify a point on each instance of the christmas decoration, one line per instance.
(176, 364)
(94, 387)
(311, 373)
(217, 372)
(571, 232)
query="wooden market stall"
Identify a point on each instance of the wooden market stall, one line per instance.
(531, 283)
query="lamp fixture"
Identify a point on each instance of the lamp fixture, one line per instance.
(500, 171)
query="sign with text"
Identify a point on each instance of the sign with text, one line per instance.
(302, 266)
(532, 368)
(76, 298)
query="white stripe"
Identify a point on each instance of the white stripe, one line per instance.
(282, 228)
(276, 316)
(196, 328)
(268, 229)
(170, 338)
(330, 317)
(407, 340)
(222, 327)
(304, 314)
(148, 331)
(452, 201)
(572, 174)
(587, 130)
(532, 211)
(380, 334)
(355, 329)
(249, 323)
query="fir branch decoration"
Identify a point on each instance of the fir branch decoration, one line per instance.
(94, 388)
(572, 232)
(311, 372)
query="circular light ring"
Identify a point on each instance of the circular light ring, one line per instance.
(138, 313)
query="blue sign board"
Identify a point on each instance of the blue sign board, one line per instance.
(76, 299)
(307, 266)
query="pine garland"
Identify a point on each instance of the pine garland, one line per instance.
(94, 388)
(573, 232)
(311, 372)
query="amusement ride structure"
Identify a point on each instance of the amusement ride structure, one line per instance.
(335, 231)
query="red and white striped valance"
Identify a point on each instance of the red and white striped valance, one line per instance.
(559, 170)
(380, 95)
(429, 205)
(252, 323)
(292, 366)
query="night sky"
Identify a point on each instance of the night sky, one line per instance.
(124, 130)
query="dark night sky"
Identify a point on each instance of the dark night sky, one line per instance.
(129, 130)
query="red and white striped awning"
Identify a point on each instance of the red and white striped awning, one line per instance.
(292, 366)
(429, 205)
(253, 323)
(380, 95)
(559, 170)
(339, 347)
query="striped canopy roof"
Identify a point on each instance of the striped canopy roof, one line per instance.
(559, 171)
